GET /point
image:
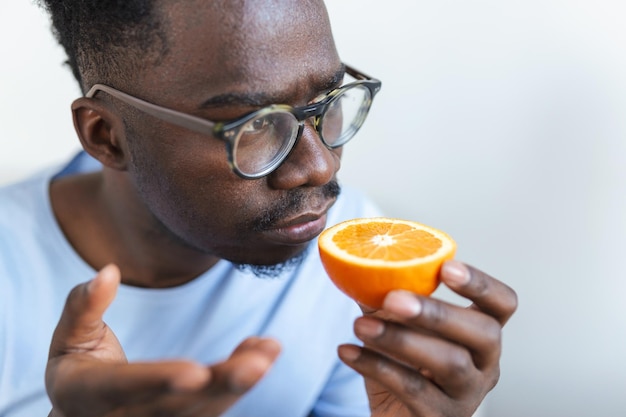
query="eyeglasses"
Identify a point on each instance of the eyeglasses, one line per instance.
(259, 142)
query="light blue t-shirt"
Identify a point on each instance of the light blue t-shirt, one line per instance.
(203, 320)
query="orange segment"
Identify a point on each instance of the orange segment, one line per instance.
(387, 241)
(366, 258)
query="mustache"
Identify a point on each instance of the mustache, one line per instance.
(291, 203)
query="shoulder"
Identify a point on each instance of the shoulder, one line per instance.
(21, 205)
(19, 202)
(30, 237)
(25, 203)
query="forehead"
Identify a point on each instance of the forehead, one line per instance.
(221, 46)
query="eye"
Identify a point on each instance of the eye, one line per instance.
(257, 126)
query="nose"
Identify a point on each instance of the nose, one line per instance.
(310, 163)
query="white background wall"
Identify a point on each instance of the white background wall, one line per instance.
(501, 122)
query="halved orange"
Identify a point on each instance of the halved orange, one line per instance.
(368, 257)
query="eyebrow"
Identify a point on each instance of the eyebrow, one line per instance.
(264, 99)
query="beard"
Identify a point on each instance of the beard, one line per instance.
(292, 203)
(275, 270)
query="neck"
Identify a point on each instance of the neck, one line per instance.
(105, 222)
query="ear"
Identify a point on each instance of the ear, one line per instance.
(101, 132)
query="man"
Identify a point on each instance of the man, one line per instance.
(217, 127)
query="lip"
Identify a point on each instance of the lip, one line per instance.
(301, 229)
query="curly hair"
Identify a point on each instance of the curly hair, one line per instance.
(107, 41)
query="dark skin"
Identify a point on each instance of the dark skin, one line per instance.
(166, 207)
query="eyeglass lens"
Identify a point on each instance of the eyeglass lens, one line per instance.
(264, 141)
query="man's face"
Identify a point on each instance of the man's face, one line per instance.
(222, 62)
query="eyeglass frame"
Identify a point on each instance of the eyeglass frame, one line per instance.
(227, 131)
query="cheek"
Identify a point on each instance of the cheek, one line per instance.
(186, 184)
(174, 158)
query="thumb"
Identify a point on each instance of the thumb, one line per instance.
(81, 322)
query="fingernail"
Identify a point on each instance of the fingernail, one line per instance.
(455, 273)
(368, 327)
(108, 270)
(349, 353)
(102, 274)
(402, 303)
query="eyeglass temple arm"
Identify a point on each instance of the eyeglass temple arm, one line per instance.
(187, 121)
(375, 88)
(357, 74)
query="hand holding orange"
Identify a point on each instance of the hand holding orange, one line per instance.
(366, 258)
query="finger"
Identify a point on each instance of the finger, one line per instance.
(232, 378)
(149, 378)
(248, 343)
(229, 380)
(247, 364)
(450, 365)
(118, 385)
(88, 302)
(475, 330)
(410, 387)
(81, 321)
(487, 293)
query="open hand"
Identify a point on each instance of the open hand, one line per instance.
(88, 374)
(425, 357)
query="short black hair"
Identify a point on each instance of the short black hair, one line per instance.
(107, 41)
